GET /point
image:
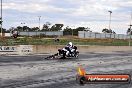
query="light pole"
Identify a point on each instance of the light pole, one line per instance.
(110, 19)
(1, 18)
(39, 21)
(130, 30)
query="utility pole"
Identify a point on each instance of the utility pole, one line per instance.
(72, 30)
(1, 18)
(130, 29)
(110, 19)
(39, 21)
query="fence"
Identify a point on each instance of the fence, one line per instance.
(85, 34)
(56, 33)
(41, 33)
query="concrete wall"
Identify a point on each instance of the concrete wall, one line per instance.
(52, 49)
(82, 49)
(7, 34)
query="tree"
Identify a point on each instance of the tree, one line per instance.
(81, 28)
(19, 28)
(108, 31)
(35, 29)
(105, 30)
(26, 28)
(1, 22)
(46, 26)
(129, 31)
(75, 31)
(114, 32)
(3, 30)
(11, 29)
(67, 31)
(57, 27)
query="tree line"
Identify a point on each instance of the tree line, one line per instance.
(58, 27)
(48, 27)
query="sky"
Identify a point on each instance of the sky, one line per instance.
(73, 13)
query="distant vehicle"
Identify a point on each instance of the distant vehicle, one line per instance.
(15, 34)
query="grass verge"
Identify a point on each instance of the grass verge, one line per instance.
(63, 41)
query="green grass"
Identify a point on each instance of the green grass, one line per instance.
(63, 41)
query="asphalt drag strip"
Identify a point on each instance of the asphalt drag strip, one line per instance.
(36, 72)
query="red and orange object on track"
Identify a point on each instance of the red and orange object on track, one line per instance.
(83, 78)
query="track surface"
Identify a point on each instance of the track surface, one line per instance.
(35, 72)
